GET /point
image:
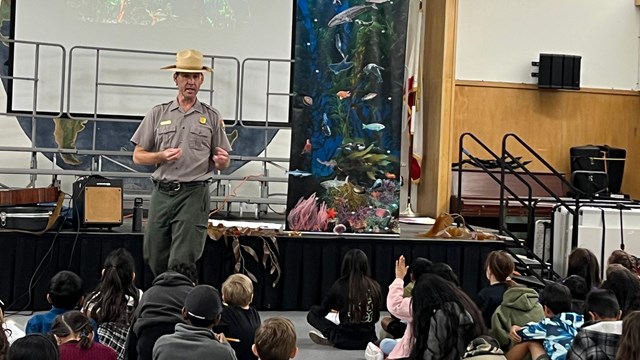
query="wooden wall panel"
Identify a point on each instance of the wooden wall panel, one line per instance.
(550, 122)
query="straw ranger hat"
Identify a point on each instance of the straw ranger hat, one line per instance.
(190, 61)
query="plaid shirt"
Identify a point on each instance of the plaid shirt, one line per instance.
(596, 342)
(114, 336)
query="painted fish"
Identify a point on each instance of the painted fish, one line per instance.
(299, 173)
(334, 183)
(389, 175)
(377, 184)
(373, 69)
(343, 65)
(307, 147)
(360, 146)
(337, 2)
(377, 1)
(326, 129)
(331, 163)
(343, 94)
(369, 96)
(307, 100)
(373, 126)
(350, 14)
(339, 45)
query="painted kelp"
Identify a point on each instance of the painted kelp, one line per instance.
(347, 114)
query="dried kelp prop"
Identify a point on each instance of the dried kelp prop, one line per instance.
(307, 216)
(444, 228)
(270, 250)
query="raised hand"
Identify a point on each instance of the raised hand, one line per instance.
(401, 268)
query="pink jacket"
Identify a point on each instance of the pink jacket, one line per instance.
(400, 307)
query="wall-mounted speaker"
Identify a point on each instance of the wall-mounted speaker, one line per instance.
(559, 71)
(97, 202)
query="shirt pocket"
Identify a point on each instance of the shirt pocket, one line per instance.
(200, 138)
(165, 136)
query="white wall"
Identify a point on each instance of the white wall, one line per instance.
(498, 39)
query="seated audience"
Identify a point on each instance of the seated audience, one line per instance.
(445, 319)
(552, 336)
(446, 272)
(356, 296)
(392, 325)
(498, 268)
(65, 293)
(35, 346)
(520, 305)
(626, 286)
(275, 340)
(578, 287)
(400, 307)
(598, 338)
(74, 333)
(584, 263)
(484, 348)
(625, 259)
(194, 339)
(239, 319)
(629, 345)
(112, 304)
(159, 310)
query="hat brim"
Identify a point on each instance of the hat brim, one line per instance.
(177, 69)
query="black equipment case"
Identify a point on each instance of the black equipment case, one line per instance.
(597, 169)
(31, 218)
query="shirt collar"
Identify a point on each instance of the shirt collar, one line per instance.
(197, 106)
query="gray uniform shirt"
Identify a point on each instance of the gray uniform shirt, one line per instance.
(197, 132)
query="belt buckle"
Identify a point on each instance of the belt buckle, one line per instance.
(176, 187)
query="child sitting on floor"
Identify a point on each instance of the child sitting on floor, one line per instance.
(275, 340)
(239, 319)
(551, 337)
(65, 293)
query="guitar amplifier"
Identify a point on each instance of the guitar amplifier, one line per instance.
(97, 202)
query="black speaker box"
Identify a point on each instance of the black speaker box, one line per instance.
(600, 158)
(558, 71)
(97, 202)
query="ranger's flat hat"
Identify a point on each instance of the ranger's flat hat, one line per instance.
(190, 61)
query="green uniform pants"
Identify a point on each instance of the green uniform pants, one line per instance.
(177, 226)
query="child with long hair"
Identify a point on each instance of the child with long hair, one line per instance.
(626, 286)
(629, 345)
(445, 320)
(74, 333)
(498, 268)
(357, 297)
(112, 304)
(583, 262)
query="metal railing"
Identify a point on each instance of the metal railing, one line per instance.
(104, 161)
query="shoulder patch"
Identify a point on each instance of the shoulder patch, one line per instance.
(221, 123)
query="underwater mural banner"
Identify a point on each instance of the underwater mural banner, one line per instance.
(346, 115)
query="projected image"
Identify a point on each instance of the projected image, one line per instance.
(176, 13)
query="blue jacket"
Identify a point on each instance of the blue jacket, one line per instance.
(556, 333)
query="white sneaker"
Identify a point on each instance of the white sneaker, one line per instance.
(373, 352)
(318, 338)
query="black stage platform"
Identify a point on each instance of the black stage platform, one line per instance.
(310, 264)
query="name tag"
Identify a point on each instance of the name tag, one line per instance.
(165, 122)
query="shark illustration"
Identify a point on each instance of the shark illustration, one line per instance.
(299, 173)
(335, 183)
(343, 65)
(373, 69)
(350, 14)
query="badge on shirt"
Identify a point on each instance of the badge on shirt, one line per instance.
(165, 122)
(203, 120)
